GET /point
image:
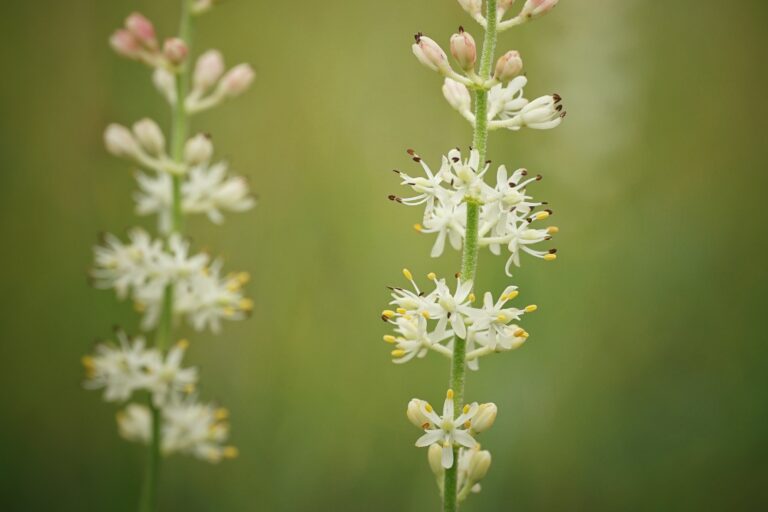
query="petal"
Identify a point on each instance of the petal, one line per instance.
(447, 459)
(463, 438)
(431, 437)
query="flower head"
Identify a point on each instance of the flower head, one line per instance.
(447, 430)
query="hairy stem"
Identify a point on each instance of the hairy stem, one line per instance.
(164, 333)
(470, 250)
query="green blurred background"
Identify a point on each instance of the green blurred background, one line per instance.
(644, 385)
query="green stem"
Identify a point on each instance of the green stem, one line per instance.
(470, 250)
(164, 333)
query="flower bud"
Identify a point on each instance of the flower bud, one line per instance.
(149, 136)
(430, 54)
(208, 70)
(120, 142)
(503, 6)
(484, 417)
(165, 83)
(175, 50)
(416, 414)
(508, 66)
(533, 8)
(464, 50)
(479, 463)
(435, 458)
(473, 7)
(142, 29)
(457, 95)
(125, 44)
(198, 150)
(237, 80)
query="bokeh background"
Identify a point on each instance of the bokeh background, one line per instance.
(644, 385)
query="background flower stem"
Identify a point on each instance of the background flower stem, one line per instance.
(179, 134)
(470, 250)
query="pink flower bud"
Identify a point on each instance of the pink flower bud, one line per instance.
(125, 44)
(533, 8)
(237, 80)
(464, 50)
(175, 50)
(430, 54)
(508, 66)
(142, 29)
(208, 70)
(503, 6)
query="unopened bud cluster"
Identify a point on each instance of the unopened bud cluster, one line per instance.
(166, 281)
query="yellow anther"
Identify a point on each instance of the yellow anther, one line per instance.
(89, 364)
(449, 394)
(233, 285)
(525, 334)
(425, 314)
(402, 311)
(398, 353)
(465, 410)
(472, 297)
(417, 227)
(140, 307)
(511, 295)
(230, 452)
(407, 274)
(221, 414)
(183, 344)
(189, 389)
(390, 339)
(542, 215)
(552, 230)
(387, 313)
(246, 304)
(467, 424)
(228, 311)
(531, 308)
(502, 317)
(431, 276)
(243, 277)
(520, 333)
(550, 257)
(428, 408)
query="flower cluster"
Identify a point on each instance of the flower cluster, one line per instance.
(508, 216)
(161, 274)
(206, 188)
(465, 210)
(144, 267)
(128, 367)
(449, 431)
(188, 427)
(429, 321)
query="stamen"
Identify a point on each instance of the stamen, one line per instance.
(531, 308)
(407, 274)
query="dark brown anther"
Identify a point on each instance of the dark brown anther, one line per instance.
(456, 159)
(557, 98)
(549, 211)
(524, 172)
(461, 29)
(539, 177)
(552, 251)
(417, 36)
(559, 108)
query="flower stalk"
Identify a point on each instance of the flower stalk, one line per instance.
(466, 212)
(165, 281)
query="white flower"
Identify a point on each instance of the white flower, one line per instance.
(144, 269)
(129, 366)
(168, 378)
(446, 430)
(429, 321)
(206, 298)
(206, 189)
(119, 369)
(188, 427)
(126, 266)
